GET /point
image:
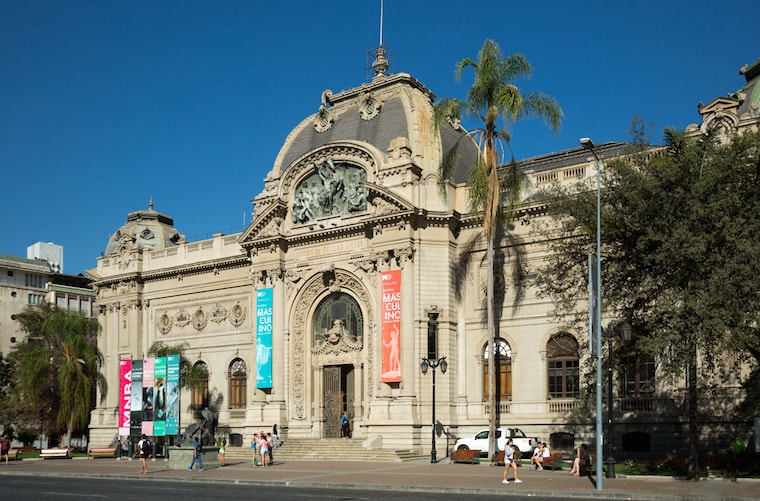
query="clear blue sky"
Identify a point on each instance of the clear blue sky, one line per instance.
(105, 104)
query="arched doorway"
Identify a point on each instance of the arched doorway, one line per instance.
(338, 337)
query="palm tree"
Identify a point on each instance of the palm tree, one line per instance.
(59, 364)
(492, 98)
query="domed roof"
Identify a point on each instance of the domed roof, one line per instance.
(145, 229)
(376, 113)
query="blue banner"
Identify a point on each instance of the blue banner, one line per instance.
(264, 338)
(172, 395)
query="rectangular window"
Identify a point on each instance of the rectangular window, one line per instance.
(564, 379)
(237, 392)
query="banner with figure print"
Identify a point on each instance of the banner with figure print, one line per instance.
(172, 395)
(159, 398)
(136, 402)
(391, 325)
(125, 396)
(264, 338)
(148, 387)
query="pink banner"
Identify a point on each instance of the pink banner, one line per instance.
(148, 397)
(125, 395)
(391, 325)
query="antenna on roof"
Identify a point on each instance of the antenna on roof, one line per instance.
(381, 23)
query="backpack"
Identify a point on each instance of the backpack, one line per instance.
(145, 448)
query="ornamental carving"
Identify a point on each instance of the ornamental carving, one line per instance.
(218, 314)
(237, 315)
(199, 319)
(182, 318)
(164, 323)
(370, 107)
(333, 189)
(324, 119)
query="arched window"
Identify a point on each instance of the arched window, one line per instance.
(238, 383)
(564, 373)
(200, 394)
(338, 307)
(503, 366)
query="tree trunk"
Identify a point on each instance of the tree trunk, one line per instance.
(692, 403)
(491, 347)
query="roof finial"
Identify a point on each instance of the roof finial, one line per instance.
(150, 204)
(381, 63)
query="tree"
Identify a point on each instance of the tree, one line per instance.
(191, 376)
(59, 364)
(496, 102)
(681, 255)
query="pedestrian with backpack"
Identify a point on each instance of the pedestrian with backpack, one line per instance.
(144, 446)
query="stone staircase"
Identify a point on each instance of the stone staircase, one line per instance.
(324, 449)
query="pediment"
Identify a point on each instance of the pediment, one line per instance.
(266, 224)
(721, 104)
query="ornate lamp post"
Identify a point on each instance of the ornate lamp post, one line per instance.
(433, 364)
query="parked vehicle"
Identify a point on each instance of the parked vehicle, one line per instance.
(480, 441)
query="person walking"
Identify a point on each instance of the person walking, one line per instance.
(5, 447)
(144, 447)
(220, 444)
(509, 461)
(196, 456)
(343, 425)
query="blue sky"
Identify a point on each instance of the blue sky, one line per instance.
(105, 104)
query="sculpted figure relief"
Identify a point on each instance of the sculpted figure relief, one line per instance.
(331, 190)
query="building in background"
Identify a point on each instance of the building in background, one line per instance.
(47, 251)
(32, 281)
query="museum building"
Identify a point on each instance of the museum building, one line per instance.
(350, 273)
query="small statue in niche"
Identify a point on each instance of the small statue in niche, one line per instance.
(336, 332)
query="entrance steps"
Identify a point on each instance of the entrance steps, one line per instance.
(325, 449)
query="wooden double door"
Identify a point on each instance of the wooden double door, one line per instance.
(338, 397)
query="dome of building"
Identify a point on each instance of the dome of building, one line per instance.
(146, 229)
(376, 113)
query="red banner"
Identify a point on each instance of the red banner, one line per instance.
(125, 395)
(391, 325)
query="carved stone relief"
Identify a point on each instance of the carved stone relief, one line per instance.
(333, 189)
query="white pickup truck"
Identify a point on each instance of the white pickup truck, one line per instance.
(480, 441)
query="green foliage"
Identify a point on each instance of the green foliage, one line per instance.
(680, 252)
(59, 366)
(27, 436)
(191, 376)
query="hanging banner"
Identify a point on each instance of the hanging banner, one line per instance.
(159, 398)
(172, 395)
(264, 338)
(148, 396)
(391, 325)
(135, 423)
(125, 396)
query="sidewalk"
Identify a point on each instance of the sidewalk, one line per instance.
(442, 477)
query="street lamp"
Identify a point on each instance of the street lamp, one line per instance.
(588, 144)
(624, 331)
(424, 368)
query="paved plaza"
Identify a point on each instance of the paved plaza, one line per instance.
(442, 477)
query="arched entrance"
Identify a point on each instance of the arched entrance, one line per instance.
(338, 340)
